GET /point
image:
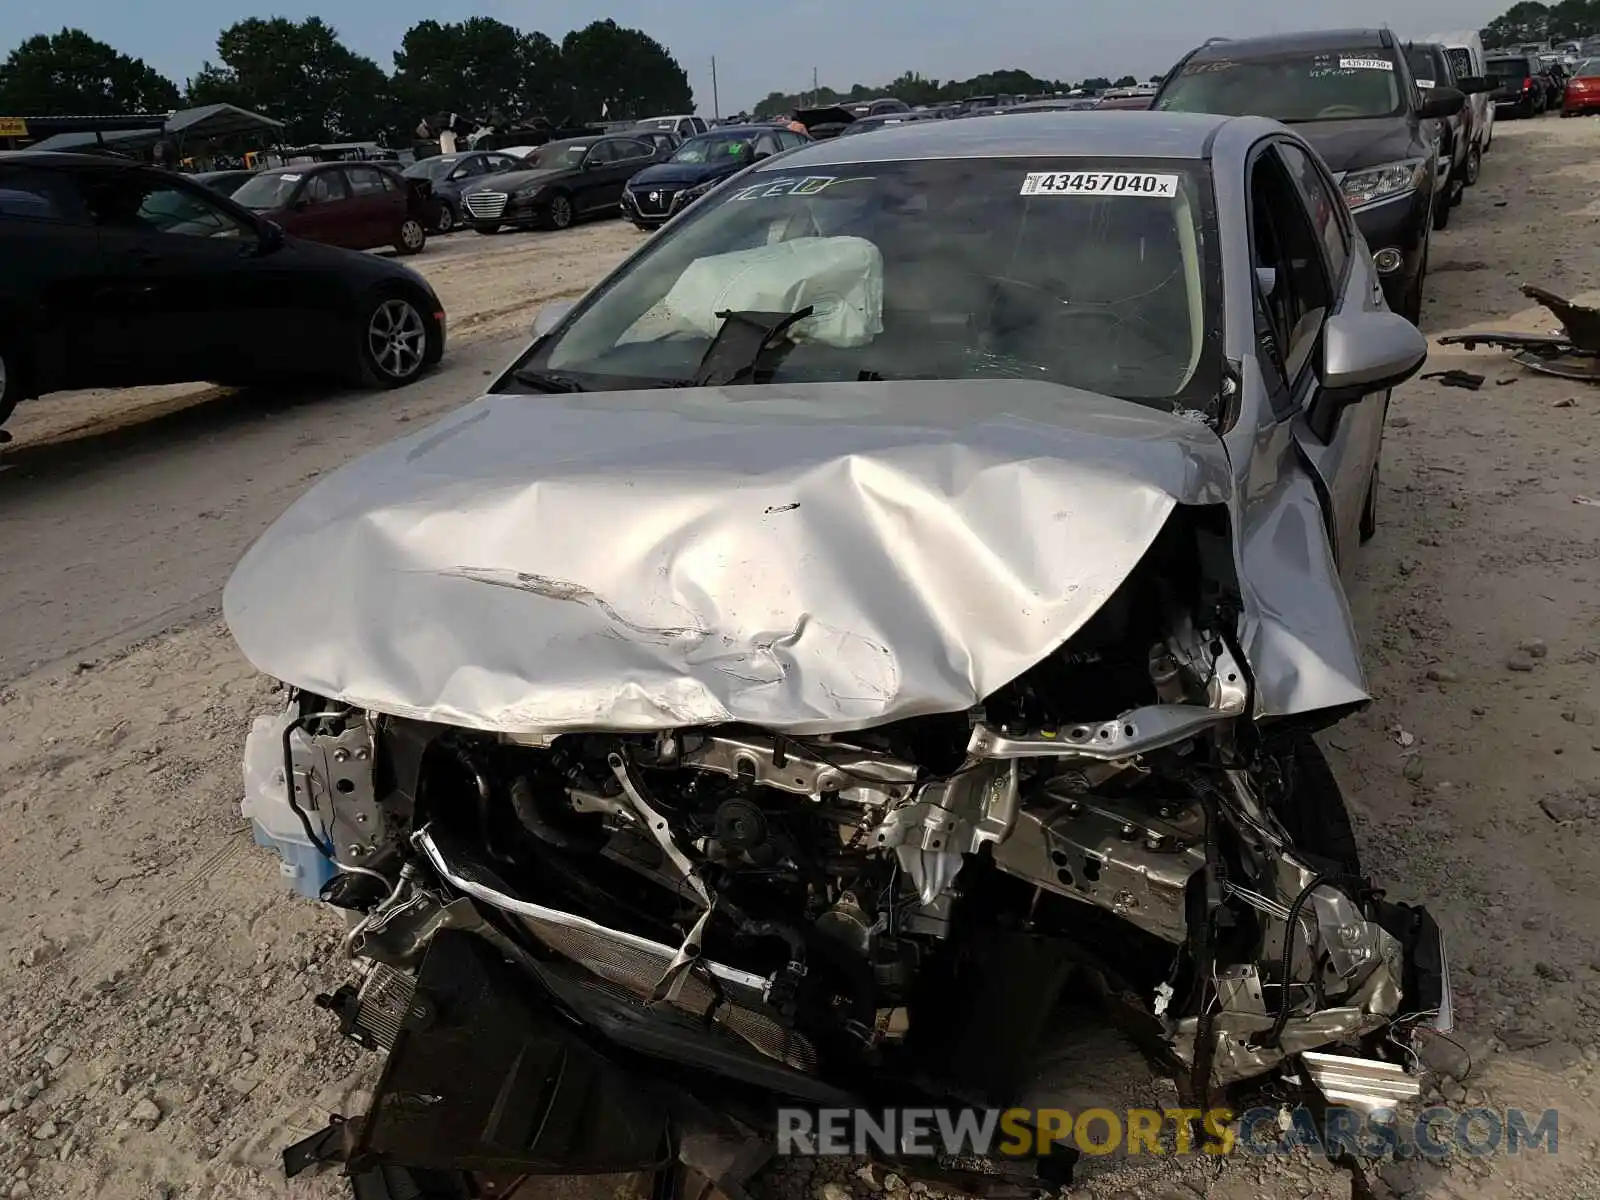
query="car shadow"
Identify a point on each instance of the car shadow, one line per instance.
(25, 466)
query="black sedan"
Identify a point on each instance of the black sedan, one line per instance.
(450, 174)
(566, 180)
(656, 193)
(118, 274)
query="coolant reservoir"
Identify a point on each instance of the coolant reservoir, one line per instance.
(266, 806)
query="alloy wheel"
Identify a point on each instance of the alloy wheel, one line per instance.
(397, 340)
(561, 212)
(412, 235)
(447, 219)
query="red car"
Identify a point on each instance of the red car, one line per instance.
(357, 205)
(1583, 89)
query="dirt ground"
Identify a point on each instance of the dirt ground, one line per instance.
(490, 287)
(156, 1033)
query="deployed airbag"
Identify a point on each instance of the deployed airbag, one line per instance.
(840, 277)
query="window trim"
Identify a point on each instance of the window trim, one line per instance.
(622, 142)
(1303, 378)
(1341, 217)
(301, 191)
(349, 171)
(152, 180)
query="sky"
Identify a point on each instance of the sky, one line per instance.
(774, 47)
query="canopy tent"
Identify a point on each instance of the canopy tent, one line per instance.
(187, 125)
(26, 130)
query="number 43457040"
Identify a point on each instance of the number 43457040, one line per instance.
(1098, 183)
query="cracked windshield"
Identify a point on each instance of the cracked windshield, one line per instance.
(1089, 275)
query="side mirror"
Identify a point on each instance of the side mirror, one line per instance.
(300, 205)
(590, 164)
(270, 236)
(550, 316)
(1442, 102)
(1362, 353)
(1474, 85)
(1370, 351)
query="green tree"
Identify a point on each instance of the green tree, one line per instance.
(1098, 83)
(1528, 21)
(1574, 18)
(70, 73)
(614, 72)
(475, 67)
(545, 90)
(302, 74)
(1125, 82)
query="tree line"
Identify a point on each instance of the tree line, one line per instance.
(1531, 21)
(916, 89)
(300, 73)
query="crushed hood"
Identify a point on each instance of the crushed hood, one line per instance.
(808, 558)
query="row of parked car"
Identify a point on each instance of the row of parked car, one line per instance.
(1528, 84)
(96, 247)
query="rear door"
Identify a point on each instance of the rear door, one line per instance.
(52, 298)
(379, 207)
(629, 157)
(319, 209)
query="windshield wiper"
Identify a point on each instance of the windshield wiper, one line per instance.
(735, 354)
(547, 381)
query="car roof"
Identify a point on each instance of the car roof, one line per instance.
(749, 127)
(1285, 43)
(1052, 135)
(64, 158)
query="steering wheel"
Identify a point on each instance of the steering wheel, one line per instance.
(1335, 112)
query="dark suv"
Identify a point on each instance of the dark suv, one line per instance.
(1519, 84)
(1350, 93)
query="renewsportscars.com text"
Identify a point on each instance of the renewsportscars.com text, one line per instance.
(1435, 1132)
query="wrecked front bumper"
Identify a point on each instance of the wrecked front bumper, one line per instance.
(504, 1063)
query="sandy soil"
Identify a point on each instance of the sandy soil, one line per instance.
(490, 287)
(156, 1035)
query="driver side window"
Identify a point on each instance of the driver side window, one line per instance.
(1291, 284)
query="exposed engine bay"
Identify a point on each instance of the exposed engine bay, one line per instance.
(899, 911)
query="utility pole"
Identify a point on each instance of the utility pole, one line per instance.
(716, 110)
(816, 92)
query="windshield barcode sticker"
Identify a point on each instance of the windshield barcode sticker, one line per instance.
(1097, 183)
(1366, 64)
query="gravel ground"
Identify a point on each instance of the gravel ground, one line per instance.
(156, 1032)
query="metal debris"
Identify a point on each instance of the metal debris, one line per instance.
(1573, 353)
